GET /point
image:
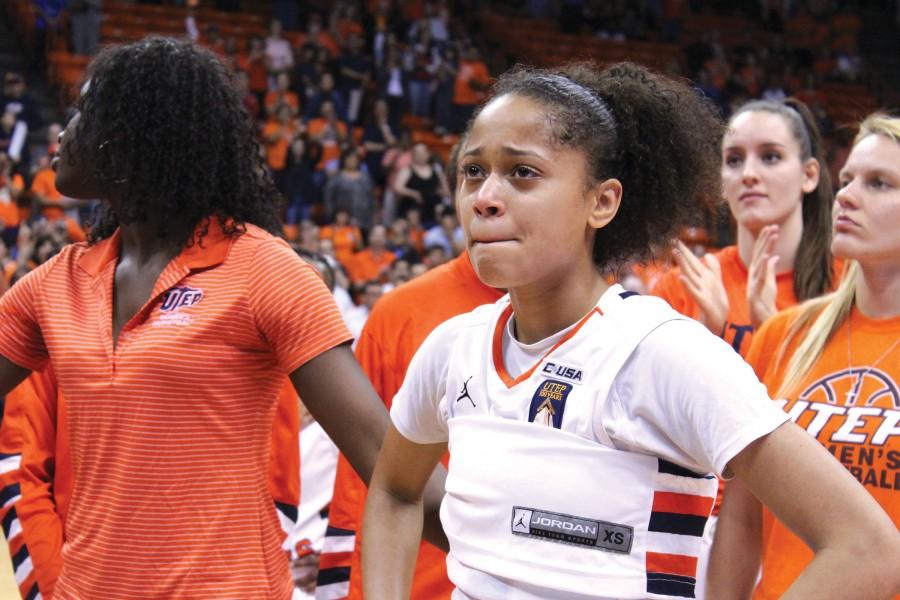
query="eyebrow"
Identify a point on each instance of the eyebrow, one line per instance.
(507, 149)
(876, 172)
(764, 145)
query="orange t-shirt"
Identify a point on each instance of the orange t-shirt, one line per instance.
(344, 239)
(851, 406)
(331, 148)
(738, 328)
(397, 326)
(169, 430)
(470, 71)
(257, 76)
(276, 152)
(9, 210)
(366, 265)
(274, 98)
(44, 183)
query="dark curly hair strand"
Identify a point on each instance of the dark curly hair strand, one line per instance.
(163, 127)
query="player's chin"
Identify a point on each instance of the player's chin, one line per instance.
(496, 268)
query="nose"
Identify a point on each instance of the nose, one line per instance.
(488, 200)
(846, 195)
(749, 175)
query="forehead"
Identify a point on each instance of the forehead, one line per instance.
(511, 119)
(874, 152)
(758, 127)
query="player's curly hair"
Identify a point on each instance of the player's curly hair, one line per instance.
(657, 136)
(163, 128)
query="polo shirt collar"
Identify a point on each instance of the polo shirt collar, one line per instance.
(208, 252)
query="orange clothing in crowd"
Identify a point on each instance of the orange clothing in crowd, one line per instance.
(396, 328)
(44, 183)
(331, 147)
(277, 137)
(345, 239)
(470, 71)
(169, 429)
(9, 209)
(274, 98)
(850, 402)
(257, 75)
(367, 265)
(738, 329)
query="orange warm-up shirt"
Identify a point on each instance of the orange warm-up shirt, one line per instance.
(331, 148)
(169, 430)
(44, 183)
(852, 406)
(274, 98)
(277, 151)
(738, 328)
(396, 328)
(365, 265)
(35, 558)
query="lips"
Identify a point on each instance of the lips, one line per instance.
(844, 223)
(748, 196)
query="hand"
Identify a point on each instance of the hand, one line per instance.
(305, 570)
(762, 289)
(703, 280)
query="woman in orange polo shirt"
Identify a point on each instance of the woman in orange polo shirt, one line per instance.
(835, 364)
(171, 333)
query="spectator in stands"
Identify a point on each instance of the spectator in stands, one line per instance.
(253, 62)
(250, 101)
(14, 139)
(356, 317)
(281, 95)
(12, 185)
(300, 186)
(470, 87)
(276, 136)
(351, 189)
(345, 237)
(354, 71)
(47, 23)
(444, 82)
(84, 23)
(16, 98)
(447, 234)
(326, 92)
(391, 86)
(420, 73)
(373, 262)
(331, 133)
(315, 34)
(400, 242)
(278, 52)
(378, 137)
(421, 185)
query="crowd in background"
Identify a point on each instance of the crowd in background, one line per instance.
(341, 93)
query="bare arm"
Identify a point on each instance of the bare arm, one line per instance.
(814, 495)
(736, 551)
(392, 526)
(400, 186)
(339, 396)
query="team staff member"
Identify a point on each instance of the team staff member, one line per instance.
(835, 364)
(780, 195)
(170, 335)
(551, 389)
(396, 328)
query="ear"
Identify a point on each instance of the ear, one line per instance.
(604, 198)
(810, 175)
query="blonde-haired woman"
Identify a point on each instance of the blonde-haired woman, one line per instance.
(835, 364)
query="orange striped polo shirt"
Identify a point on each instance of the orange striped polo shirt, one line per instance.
(170, 430)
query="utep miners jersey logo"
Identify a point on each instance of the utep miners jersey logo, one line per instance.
(173, 301)
(549, 403)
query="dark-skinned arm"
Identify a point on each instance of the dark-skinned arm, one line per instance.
(339, 396)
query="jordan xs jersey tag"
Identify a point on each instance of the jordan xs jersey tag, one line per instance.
(568, 529)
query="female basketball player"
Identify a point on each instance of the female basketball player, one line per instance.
(835, 363)
(779, 192)
(170, 334)
(561, 173)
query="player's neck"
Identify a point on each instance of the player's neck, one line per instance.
(789, 234)
(878, 291)
(544, 309)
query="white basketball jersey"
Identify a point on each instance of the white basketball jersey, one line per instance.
(539, 503)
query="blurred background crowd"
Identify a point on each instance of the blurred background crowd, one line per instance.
(358, 103)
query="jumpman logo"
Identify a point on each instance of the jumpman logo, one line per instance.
(464, 392)
(521, 521)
